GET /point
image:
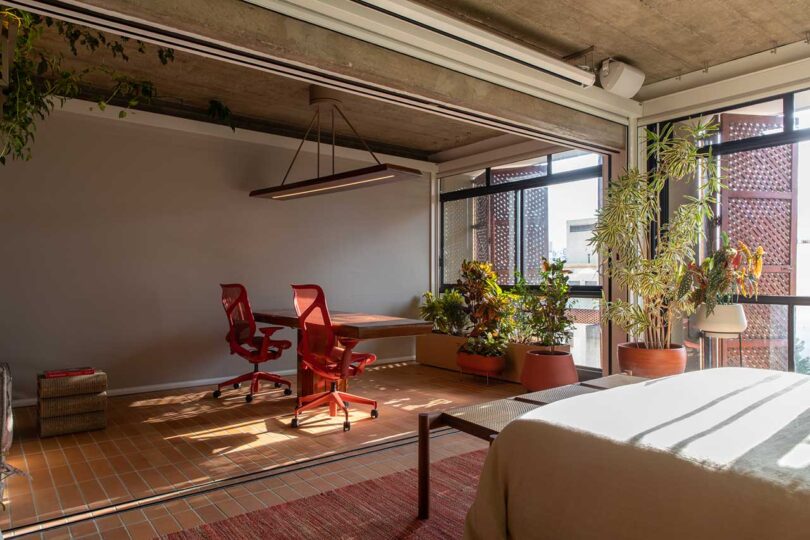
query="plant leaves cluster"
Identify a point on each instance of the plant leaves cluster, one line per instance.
(445, 311)
(542, 315)
(39, 80)
(725, 276)
(489, 310)
(490, 317)
(648, 259)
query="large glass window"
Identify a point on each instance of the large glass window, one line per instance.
(522, 170)
(765, 162)
(481, 229)
(514, 215)
(525, 213)
(463, 181)
(558, 223)
(586, 342)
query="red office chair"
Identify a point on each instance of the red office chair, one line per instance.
(243, 341)
(324, 357)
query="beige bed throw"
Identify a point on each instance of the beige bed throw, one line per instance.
(718, 454)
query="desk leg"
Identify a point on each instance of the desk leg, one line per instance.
(304, 378)
(427, 421)
(308, 383)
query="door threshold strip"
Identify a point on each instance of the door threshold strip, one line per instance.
(213, 485)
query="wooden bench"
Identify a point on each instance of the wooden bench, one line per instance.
(486, 420)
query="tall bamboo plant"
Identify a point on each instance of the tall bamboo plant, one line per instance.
(648, 258)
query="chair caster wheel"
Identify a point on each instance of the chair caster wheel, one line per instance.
(375, 413)
(217, 393)
(236, 386)
(346, 426)
(287, 391)
(277, 385)
(294, 423)
(248, 398)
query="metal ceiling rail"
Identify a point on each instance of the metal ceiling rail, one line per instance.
(117, 23)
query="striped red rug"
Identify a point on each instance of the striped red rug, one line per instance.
(383, 508)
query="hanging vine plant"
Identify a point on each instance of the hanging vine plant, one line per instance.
(39, 80)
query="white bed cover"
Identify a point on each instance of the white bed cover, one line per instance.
(714, 454)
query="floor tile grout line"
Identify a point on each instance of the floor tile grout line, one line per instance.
(214, 485)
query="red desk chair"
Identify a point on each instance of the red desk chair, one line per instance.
(243, 341)
(324, 357)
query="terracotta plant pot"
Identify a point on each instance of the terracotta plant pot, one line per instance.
(652, 363)
(487, 366)
(547, 369)
(516, 356)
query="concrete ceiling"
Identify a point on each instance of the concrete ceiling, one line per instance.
(664, 38)
(272, 103)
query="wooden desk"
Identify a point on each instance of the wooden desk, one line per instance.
(345, 324)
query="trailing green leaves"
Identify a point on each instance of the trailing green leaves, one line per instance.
(650, 260)
(39, 80)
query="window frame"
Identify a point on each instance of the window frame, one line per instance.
(602, 172)
(788, 135)
(518, 187)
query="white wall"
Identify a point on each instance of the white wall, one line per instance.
(115, 237)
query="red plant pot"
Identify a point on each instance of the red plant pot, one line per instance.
(487, 366)
(652, 363)
(548, 369)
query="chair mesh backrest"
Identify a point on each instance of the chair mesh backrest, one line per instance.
(313, 320)
(237, 308)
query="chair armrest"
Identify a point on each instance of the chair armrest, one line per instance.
(346, 359)
(268, 330)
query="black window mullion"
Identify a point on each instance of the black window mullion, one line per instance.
(788, 112)
(441, 245)
(519, 231)
(537, 181)
(791, 338)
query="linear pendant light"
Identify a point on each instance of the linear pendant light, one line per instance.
(381, 173)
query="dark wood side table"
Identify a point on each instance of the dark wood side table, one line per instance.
(486, 420)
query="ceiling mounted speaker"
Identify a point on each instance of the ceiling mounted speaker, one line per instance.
(620, 78)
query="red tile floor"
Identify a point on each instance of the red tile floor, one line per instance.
(161, 442)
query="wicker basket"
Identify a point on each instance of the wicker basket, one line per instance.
(72, 386)
(64, 406)
(75, 423)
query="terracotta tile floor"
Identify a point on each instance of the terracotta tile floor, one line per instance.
(159, 442)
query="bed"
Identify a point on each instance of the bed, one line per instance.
(720, 453)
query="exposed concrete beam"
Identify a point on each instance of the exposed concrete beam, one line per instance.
(490, 153)
(341, 61)
(186, 125)
(746, 79)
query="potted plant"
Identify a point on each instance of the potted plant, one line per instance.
(551, 326)
(718, 281)
(650, 260)
(446, 312)
(489, 311)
